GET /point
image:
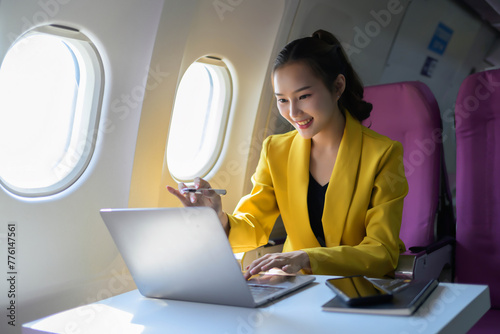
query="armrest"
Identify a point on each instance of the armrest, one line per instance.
(434, 261)
(447, 240)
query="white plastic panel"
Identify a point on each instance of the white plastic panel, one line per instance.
(64, 255)
(51, 83)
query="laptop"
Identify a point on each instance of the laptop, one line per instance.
(184, 254)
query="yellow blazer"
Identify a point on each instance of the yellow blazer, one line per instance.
(363, 203)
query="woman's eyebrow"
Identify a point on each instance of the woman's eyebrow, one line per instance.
(296, 91)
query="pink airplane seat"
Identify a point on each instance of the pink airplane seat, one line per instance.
(477, 123)
(408, 112)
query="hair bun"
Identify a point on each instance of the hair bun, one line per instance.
(325, 36)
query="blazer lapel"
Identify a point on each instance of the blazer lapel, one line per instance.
(341, 187)
(298, 182)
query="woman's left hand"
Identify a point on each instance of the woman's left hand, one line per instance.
(290, 262)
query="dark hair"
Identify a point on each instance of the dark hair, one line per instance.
(326, 57)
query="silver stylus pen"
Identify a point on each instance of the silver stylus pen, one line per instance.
(199, 190)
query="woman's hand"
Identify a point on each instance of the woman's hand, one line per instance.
(290, 262)
(208, 198)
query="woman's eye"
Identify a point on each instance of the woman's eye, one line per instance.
(304, 96)
(282, 100)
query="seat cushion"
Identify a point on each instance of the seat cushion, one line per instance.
(477, 118)
(408, 112)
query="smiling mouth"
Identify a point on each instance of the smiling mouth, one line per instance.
(307, 121)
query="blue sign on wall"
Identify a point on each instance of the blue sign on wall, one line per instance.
(441, 38)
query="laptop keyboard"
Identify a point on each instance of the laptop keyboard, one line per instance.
(262, 291)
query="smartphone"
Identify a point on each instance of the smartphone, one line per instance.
(358, 290)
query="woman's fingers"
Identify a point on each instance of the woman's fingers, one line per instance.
(264, 263)
(207, 198)
(290, 262)
(179, 195)
(201, 183)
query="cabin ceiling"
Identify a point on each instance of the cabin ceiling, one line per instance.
(488, 10)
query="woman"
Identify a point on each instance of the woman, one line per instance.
(331, 179)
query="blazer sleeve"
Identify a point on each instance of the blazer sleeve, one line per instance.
(255, 215)
(378, 252)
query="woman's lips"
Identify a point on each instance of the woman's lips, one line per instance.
(305, 123)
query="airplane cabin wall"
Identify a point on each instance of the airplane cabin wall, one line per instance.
(64, 254)
(366, 29)
(172, 36)
(465, 53)
(246, 36)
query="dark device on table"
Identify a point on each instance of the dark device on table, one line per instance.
(358, 290)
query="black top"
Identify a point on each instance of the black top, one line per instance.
(315, 204)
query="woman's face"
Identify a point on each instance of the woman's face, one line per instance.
(304, 100)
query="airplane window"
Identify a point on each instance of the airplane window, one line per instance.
(50, 87)
(199, 119)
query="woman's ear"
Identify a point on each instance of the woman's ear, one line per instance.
(339, 85)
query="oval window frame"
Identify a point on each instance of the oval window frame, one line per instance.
(222, 70)
(88, 104)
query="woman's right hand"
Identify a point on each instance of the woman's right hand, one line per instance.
(208, 198)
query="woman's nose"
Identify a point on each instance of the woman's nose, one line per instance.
(294, 109)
